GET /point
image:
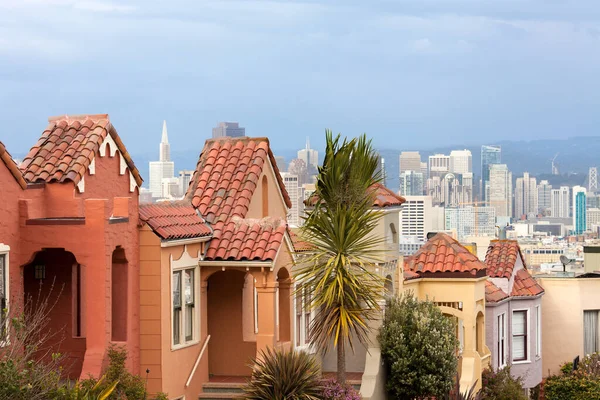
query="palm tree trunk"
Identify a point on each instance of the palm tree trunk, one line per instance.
(341, 362)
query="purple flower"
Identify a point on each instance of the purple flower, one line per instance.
(335, 391)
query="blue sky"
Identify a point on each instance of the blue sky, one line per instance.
(411, 74)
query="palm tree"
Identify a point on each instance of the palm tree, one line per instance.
(337, 268)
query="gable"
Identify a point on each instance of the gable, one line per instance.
(269, 201)
(11, 168)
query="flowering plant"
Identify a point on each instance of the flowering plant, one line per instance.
(332, 390)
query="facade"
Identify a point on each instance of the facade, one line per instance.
(185, 176)
(439, 165)
(514, 313)
(411, 183)
(544, 191)
(410, 161)
(499, 189)
(415, 223)
(526, 197)
(228, 129)
(579, 210)
(296, 194)
(592, 218)
(461, 162)
(164, 168)
(489, 155)
(446, 272)
(471, 221)
(310, 157)
(560, 202)
(69, 220)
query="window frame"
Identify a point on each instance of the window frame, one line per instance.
(301, 330)
(179, 267)
(527, 347)
(538, 333)
(501, 341)
(597, 340)
(4, 253)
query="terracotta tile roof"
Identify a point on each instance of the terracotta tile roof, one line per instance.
(299, 244)
(441, 254)
(247, 240)
(493, 293)
(501, 257)
(408, 275)
(383, 197)
(174, 220)
(226, 176)
(12, 166)
(67, 147)
(525, 285)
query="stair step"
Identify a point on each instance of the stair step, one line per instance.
(220, 396)
(223, 387)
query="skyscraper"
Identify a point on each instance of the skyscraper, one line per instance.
(295, 192)
(526, 196)
(164, 168)
(579, 210)
(439, 165)
(411, 183)
(593, 179)
(560, 202)
(489, 155)
(415, 223)
(310, 157)
(461, 161)
(544, 190)
(499, 190)
(471, 221)
(410, 161)
(231, 129)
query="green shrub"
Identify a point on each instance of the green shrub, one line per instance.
(501, 385)
(418, 344)
(580, 384)
(285, 375)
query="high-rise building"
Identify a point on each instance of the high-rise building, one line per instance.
(544, 190)
(461, 161)
(410, 161)
(231, 129)
(185, 176)
(424, 170)
(560, 202)
(526, 196)
(593, 180)
(415, 223)
(439, 165)
(411, 183)
(296, 196)
(593, 219)
(309, 156)
(579, 210)
(281, 165)
(471, 221)
(499, 190)
(489, 155)
(164, 168)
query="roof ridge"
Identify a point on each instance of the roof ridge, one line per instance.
(12, 166)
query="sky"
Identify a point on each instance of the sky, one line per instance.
(410, 73)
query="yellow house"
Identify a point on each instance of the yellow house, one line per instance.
(445, 272)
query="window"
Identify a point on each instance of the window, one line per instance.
(303, 317)
(4, 267)
(184, 306)
(590, 331)
(519, 335)
(538, 332)
(501, 340)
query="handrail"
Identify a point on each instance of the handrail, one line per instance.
(197, 361)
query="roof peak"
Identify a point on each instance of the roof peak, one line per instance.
(78, 117)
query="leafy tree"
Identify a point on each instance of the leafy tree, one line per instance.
(337, 268)
(580, 384)
(501, 385)
(418, 344)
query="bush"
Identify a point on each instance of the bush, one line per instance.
(501, 385)
(580, 384)
(418, 345)
(288, 375)
(332, 390)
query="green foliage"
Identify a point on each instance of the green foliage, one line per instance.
(580, 384)
(470, 394)
(337, 268)
(284, 375)
(501, 385)
(84, 391)
(418, 344)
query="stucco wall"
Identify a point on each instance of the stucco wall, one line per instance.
(276, 205)
(562, 318)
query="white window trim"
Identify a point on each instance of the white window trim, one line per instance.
(304, 346)
(528, 332)
(4, 251)
(185, 262)
(538, 333)
(506, 347)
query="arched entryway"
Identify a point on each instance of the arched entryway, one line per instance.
(119, 294)
(228, 353)
(52, 282)
(285, 305)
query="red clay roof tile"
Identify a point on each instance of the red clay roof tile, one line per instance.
(12, 166)
(68, 146)
(493, 293)
(382, 197)
(501, 257)
(174, 220)
(440, 254)
(524, 285)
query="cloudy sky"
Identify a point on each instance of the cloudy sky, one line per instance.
(410, 73)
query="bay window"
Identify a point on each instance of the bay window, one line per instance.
(501, 343)
(519, 335)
